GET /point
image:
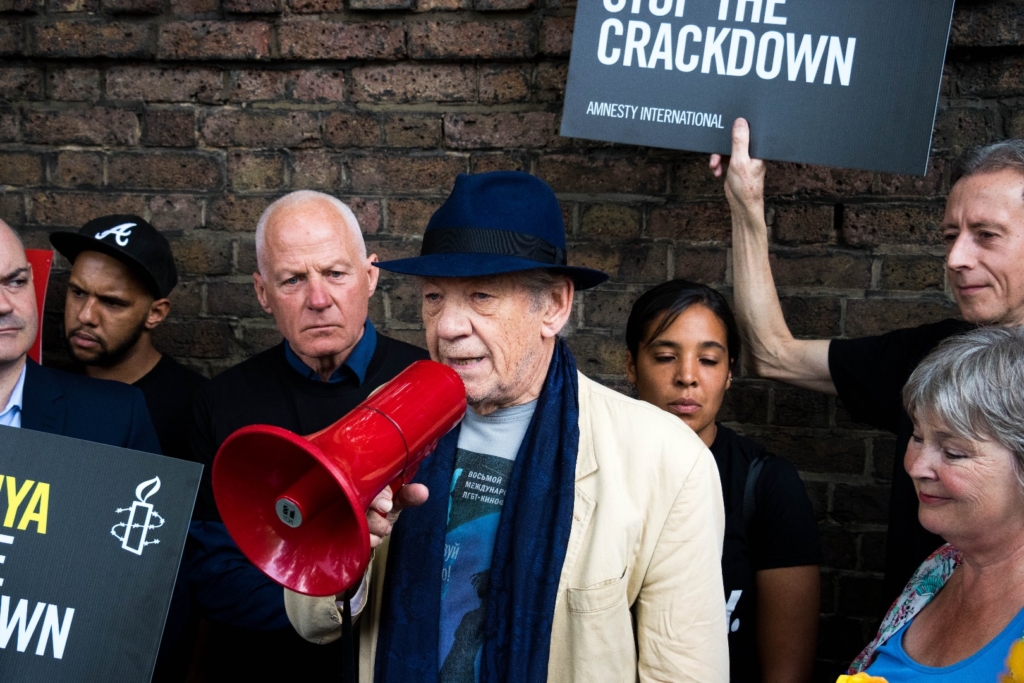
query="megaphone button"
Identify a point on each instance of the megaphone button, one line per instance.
(288, 512)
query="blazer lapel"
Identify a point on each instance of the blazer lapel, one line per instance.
(586, 464)
(42, 409)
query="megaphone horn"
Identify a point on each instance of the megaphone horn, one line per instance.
(297, 506)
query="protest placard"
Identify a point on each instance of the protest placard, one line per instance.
(90, 540)
(851, 83)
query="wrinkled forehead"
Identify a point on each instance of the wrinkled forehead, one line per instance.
(307, 235)
(987, 198)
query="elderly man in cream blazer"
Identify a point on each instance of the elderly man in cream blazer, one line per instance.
(571, 533)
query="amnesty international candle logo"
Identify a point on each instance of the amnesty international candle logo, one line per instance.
(141, 516)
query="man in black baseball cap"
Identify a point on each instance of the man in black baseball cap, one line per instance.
(122, 273)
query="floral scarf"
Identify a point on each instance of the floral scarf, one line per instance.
(924, 585)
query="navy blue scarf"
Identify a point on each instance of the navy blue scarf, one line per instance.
(528, 552)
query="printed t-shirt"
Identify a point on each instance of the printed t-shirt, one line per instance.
(869, 374)
(484, 456)
(782, 533)
(894, 664)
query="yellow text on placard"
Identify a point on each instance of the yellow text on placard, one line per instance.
(16, 498)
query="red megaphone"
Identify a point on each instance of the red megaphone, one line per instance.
(297, 506)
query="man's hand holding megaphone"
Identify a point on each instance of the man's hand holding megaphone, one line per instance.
(386, 507)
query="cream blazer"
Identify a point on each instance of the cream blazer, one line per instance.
(640, 596)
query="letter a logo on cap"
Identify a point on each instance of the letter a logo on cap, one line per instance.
(121, 233)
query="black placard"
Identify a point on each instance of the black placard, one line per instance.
(851, 83)
(80, 600)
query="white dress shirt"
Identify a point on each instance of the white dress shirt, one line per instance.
(11, 415)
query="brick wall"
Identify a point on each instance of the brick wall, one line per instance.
(197, 113)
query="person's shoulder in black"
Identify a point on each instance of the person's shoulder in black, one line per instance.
(869, 372)
(781, 531)
(169, 388)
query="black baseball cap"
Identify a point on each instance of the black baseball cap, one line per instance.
(130, 240)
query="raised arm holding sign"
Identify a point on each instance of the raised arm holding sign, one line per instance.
(983, 231)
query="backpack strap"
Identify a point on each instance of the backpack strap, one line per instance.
(749, 503)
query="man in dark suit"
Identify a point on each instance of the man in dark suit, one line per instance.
(48, 400)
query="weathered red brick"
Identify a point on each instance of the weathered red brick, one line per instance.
(917, 273)
(962, 128)
(694, 222)
(175, 213)
(20, 83)
(214, 40)
(873, 224)
(898, 184)
(253, 85)
(707, 266)
(240, 214)
(987, 25)
(804, 224)
(74, 84)
(500, 161)
(570, 173)
(165, 170)
(169, 128)
(153, 84)
(21, 168)
(992, 77)
(9, 121)
(198, 338)
(502, 130)
(501, 84)
(133, 6)
(11, 38)
(412, 130)
(598, 354)
(90, 6)
(501, 5)
(815, 317)
(625, 262)
(368, 212)
(203, 252)
(86, 126)
(319, 85)
(315, 170)
(75, 209)
(192, 8)
(442, 5)
(877, 316)
(551, 82)
(831, 270)
(506, 39)
(255, 171)
(78, 169)
(322, 39)
(374, 5)
(12, 207)
(556, 36)
(83, 38)
(411, 173)
(316, 6)
(407, 82)
(607, 310)
(356, 129)
(234, 299)
(410, 216)
(253, 6)
(797, 179)
(616, 221)
(263, 128)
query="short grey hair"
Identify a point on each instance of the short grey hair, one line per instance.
(974, 385)
(1001, 156)
(293, 199)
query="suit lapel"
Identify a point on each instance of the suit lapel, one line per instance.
(586, 465)
(42, 407)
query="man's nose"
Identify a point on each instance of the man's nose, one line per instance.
(318, 298)
(87, 313)
(6, 305)
(961, 253)
(452, 322)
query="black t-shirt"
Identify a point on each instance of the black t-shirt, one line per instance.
(782, 533)
(869, 374)
(169, 388)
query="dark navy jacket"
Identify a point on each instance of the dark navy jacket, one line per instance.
(95, 410)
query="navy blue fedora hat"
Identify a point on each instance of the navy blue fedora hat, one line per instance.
(492, 223)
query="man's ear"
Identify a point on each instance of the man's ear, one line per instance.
(559, 308)
(260, 285)
(372, 272)
(158, 312)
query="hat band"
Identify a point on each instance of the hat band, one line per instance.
(488, 241)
